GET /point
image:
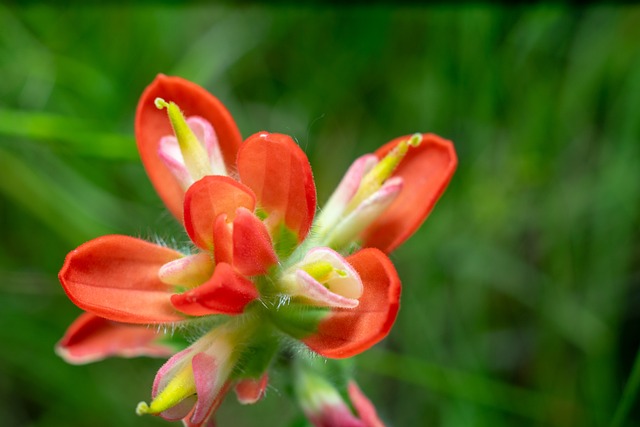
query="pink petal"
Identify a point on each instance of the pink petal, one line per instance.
(169, 152)
(207, 384)
(164, 376)
(349, 229)
(152, 124)
(278, 172)
(116, 277)
(365, 409)
(208, 420)
(91, 338)
(227, 292)
(347, 332)
(320, 295)
(209, 197)
(337, 203)
(426, 170)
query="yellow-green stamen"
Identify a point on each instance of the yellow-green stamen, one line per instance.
(319, 270)
(194, 154)
(323, 271)
(374, 179)
(179, 388)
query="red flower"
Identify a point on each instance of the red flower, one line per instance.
(248, 208)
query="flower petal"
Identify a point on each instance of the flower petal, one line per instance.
(91, 338)
(365, 409)
(348, 231)
(227, 292)
(278, 172)
(174, 406)
(250, 390)
(339, 200)
(347, 332)
(152, 124)
(205, 374)
(323, 278)
(223, 236)
(116, 277)
(253, 252)
(317, 294)
(209, 197)
(426, 170)
(189, 271)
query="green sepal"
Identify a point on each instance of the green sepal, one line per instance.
(257, 355)
(285, 241)
(298, 320)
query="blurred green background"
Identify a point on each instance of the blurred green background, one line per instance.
(521, 300)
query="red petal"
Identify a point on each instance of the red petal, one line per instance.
(208, 198)
(152, 124)
(278, 172)
(347, 332)
(253, 251)
(250, 390)
(426, 170)
(227, 292)
(116, 277)
(222, 235)
(91, 338)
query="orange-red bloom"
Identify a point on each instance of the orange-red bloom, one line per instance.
(256, 271)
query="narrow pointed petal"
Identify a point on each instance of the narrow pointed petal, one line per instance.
(250, 390)
(208, 420)
(347, 332)
(253, 252)
(322, 403)
(189, 271)
(349, 229)
(207, 385)
(278, 172)
(365, 409)
(173, 390)
(208, 198)
(191, 384)
(426, 170)
(227, 292)
(337, 203)
(152, 124)
(116, 277)
(317, 294)
(324, 278)
(169, 153)
(91, 338)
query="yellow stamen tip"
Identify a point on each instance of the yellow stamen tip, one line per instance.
(142, 408)
(161, 103)
(374, 179)
(194, 154)
(415, 140)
